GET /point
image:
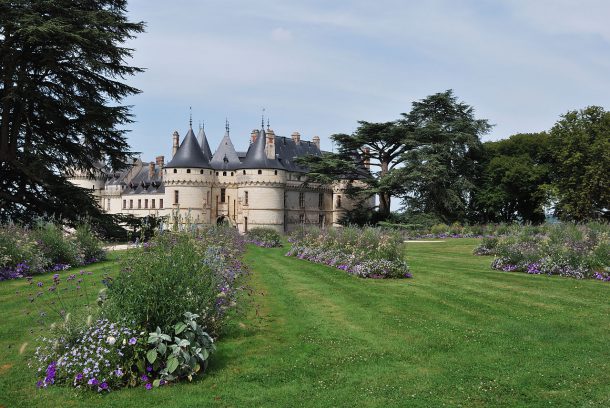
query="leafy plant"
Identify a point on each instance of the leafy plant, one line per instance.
(183, 356)
(264, 237)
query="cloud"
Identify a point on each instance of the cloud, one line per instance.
(281, 35)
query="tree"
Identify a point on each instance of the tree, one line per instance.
(514, 180)
(580, 146)
(380, 144)
(61, 64)
(443, 158)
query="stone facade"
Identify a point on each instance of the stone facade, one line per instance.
(262, 187)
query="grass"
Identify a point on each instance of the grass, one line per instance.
(458, 334)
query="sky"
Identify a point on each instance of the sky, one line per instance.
(320, 66)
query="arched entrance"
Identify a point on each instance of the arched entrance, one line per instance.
(222, 220)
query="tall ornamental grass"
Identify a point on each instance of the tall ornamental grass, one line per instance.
(364, 252)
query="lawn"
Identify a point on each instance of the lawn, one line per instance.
(457, 334)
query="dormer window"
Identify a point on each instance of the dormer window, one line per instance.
(275, 172)
(188, 171)
(200, 171)
(260, 172)
(175, 171)
(224, 173)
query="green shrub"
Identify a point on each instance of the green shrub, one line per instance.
(19, 253)
(178, 273)
(91, 248)
(264, 237)
(439, 229)
(55, 246)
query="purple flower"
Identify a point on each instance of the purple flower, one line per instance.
(40, 384)
(133, 341)
(104, 386)
(148, 386)
(118, 372)
(93, 381)
(149, 368)
(144, 377)
(39, 284)
(78, 377)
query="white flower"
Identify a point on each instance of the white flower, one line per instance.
(110, 340)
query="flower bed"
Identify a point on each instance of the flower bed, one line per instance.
(45, 248)
(264, 237)
(578, 251)
(156, 321)
(363, 252)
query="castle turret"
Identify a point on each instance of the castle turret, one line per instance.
(261, 181)
(188, 178)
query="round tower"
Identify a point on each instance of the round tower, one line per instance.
(261, 182)
(94, 181)
(188, 179)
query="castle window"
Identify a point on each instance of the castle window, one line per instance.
(321, 220)
(130, 203)
(320, 200)
(124, 203)
(301, 200)
(244, 172)
(217, 173)
(301, 218)
(160, 203)
(245, 198)
(245, 224)
(224, 173)
(231, 173)
(139, 203)
(338, 201)
(93, 187)
(175, 171)
(108, 204)
(207, 197)
(200, 171)
(260, 172)
(275, 172)
(234, 209)
(188, 171)
(152, 203)
(146, 203)
(223, 192)
(176, 196)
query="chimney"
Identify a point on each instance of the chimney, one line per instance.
(316, 141)
(176, 142)
(253, 135)
(270, 145)
(160, 161)
(366, 157)
(296, 137)
(151, 170)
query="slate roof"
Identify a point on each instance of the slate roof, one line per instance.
(256, 158)
(205, 146)
(189, 154)
(141, 182)
(225, 157)
(287, 150)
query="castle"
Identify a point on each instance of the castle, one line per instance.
(262, 187)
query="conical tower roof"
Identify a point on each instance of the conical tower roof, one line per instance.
(225, 157)
(203, 142)
(256, 158)
(189, 154)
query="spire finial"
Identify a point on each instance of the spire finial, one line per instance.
(227, 125)
(263, 120)
(267, 123)
(203, 124)
(190, 117)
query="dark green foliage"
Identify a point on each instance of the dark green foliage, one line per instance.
(264, 237)
(514, 182)
(441, 165)
(580, 146)
(61, 65)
